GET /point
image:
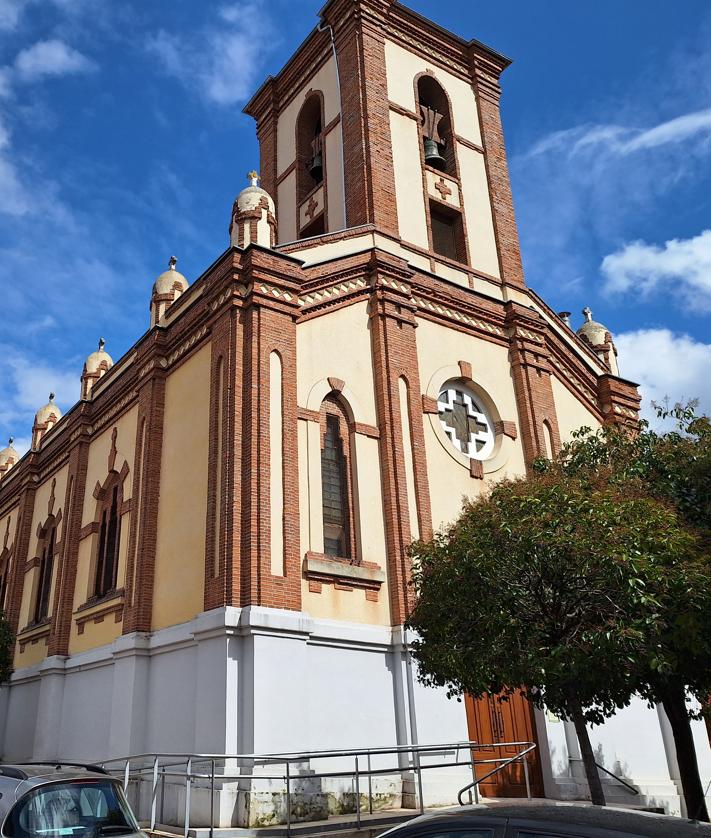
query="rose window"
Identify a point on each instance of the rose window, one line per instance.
(465, 422)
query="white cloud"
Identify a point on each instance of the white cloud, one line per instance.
(625, 140)
(50, 58)
(221, 62)
(10, 11)
(666, 365)
(25, 384)
(681, 267)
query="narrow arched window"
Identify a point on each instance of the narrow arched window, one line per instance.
(336, 485)
(435, 125)
(46, 568)
(109, 539)
(310, 167)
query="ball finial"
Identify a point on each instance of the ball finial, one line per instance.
(172, 262)
(51, 397)
(102, 344)
(253, 178)
(587, 311)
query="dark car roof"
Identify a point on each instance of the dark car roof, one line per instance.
(622, 820)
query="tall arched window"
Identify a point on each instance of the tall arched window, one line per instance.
(436, 125)
(109, 537)
(310, 166)
(336, 481)
(48, 542)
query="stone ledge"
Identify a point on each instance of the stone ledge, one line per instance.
(322, 568)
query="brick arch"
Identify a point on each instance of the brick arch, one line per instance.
(321, 389)
(104, 496)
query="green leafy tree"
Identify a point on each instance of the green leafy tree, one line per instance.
(555, 583)
(675, 468)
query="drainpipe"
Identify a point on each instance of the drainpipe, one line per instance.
(410, 689)
(321, 28)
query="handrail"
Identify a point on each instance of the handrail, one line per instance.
(619, 779)
(154, 768)
(530, 746)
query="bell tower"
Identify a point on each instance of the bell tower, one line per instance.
(383, 119)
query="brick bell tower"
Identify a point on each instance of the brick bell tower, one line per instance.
(383, 118)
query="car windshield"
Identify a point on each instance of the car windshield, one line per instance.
(84, 808)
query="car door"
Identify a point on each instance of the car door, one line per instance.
(519, 829)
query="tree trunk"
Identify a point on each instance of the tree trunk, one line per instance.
(674, 703)
(597, 795)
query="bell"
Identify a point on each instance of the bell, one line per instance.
(432, 155)
(316, 167)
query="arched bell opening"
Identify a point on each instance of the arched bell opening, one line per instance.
(310, 164)
(435, 125)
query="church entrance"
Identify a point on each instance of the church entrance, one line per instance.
(493, 721)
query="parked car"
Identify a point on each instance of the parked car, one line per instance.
(63, 801)
(546, 820)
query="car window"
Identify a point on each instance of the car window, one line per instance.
(469, 833)
(535, 833)
(83, 809)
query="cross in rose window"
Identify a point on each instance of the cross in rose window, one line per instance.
(463, 422)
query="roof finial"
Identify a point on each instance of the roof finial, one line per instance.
(253, 178)
(587, 311)
(51, 397)
(10, 441)
(102, 344)
(172, 262)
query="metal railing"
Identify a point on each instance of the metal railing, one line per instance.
(627, 785)
(185, 770)
(499, 764)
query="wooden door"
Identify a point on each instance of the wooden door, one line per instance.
(491, 721)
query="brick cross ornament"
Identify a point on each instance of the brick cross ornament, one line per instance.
(466, 425)
(443, 189)
(311, 208)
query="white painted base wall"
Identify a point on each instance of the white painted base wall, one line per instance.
(255, 680)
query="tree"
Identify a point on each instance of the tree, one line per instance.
(675, 468)
(554, 582)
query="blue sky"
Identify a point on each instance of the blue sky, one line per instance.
(122, 141)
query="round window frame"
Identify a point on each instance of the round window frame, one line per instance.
(504, 445)
(462, 385)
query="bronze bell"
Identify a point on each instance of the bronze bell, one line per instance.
(433, 156)
(316, 167)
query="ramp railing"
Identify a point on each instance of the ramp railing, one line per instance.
(291, 773)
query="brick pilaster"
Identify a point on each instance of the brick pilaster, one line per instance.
(16, 582)
(531, 372)
(269, 324)
(619, 401)
(368, 156)
(485, 82)
(140, 570)
(394, 348)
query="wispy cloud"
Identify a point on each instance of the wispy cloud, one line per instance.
(50, 58)
(625, 140)
(10, 12)
(666, 365)
(679, 267)
(586, 184)
(223, 61)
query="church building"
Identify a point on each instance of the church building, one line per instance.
(208, 551)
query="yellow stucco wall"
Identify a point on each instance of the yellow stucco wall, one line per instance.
(98, 634)
(477, 209)
(439, 347)
(338, 345)
(411, 218)
(402, 66)
(180, 553)
(571, 412)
